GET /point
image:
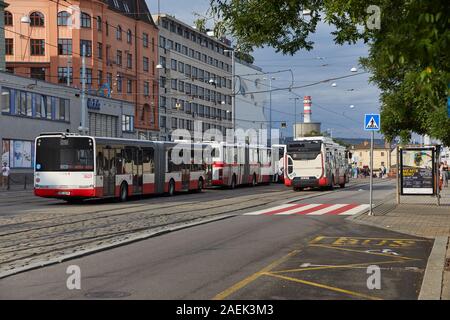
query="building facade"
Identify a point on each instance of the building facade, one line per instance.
(45, 40)
(382, 155)
(3, 5)
(36, 106)
(250, 106)
(195, 79)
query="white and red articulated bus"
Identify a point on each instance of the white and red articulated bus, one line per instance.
(241, 164)
(315, 162)
(74, 167)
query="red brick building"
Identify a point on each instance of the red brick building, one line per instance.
(44, 40)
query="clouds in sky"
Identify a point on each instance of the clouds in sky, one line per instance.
(326, 60)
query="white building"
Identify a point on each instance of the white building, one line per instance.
(250, 105)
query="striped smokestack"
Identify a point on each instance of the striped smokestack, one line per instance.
(307, 108)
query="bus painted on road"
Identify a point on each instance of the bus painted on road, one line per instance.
(73, 167)
(316, 162)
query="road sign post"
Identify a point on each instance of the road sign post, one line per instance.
(371, 123)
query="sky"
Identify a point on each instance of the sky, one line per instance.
(331, 105)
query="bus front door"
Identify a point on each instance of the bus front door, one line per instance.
(185, 178)
(137, 171)
(109, 174)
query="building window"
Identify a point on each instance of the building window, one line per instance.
(85, 20)
(109, 79)
(88, 47)
(146, 88)
(153, 44)
(99, 23)
(145, 40)
(119, 58)
(173, 64)
(99, 77)
(145, 64)
(129, 36)
(88, 75)
(17, 153)
(8, 18)
(63, 18)
(129, 86)
(36, 19)
(37, 47)
(127, 123)
(129, 61)
(62, 75)
(107, 28)
(119, 84)
(99, 50)
(9, 46)
(119, 33)
(64, 47)
(6, 100)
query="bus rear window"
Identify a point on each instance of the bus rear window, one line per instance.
(70, 154)
(304, 150)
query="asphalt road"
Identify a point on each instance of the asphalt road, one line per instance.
(247, 257)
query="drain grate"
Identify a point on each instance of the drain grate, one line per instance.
(447, 264)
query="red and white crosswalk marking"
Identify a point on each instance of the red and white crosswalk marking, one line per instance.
(314, 209)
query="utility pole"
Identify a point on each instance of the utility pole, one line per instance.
(295, 115)
(371, 173)
(82, 128)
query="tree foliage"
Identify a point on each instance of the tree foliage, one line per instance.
(408, 54)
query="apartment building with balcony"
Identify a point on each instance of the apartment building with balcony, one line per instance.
(45, 39)
(195, 79)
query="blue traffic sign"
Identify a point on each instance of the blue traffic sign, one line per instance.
(372, 122)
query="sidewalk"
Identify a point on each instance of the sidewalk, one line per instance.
(420, 216)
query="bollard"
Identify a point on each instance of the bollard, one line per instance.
(8, 183)
(25, 183)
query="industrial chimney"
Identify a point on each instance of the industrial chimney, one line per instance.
(307, 109)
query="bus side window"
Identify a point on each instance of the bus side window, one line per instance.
(120, 161)
(148, 160)
(128, 160)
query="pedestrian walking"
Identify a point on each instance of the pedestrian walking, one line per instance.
(445, 174)
(5, 174)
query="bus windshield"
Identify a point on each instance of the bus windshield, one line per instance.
(304, 150)
(64, 154)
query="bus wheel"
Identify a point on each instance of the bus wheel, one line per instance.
(171, 187)
(342, 185)
(254, 180)
(233, 182)
(331, 187)
(123, 196)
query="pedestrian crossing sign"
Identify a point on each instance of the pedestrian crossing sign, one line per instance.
(372, 122)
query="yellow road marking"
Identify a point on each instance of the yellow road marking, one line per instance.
(317, 239)
(360, 251)
(374, 238)
(323, 286)
(338, 266)
(224, 294)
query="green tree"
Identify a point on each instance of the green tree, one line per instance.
(408, 54)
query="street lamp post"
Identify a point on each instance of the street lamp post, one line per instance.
(270, 108)
(233, 98)
(295, 115)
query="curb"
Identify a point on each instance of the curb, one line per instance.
(432, 281)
